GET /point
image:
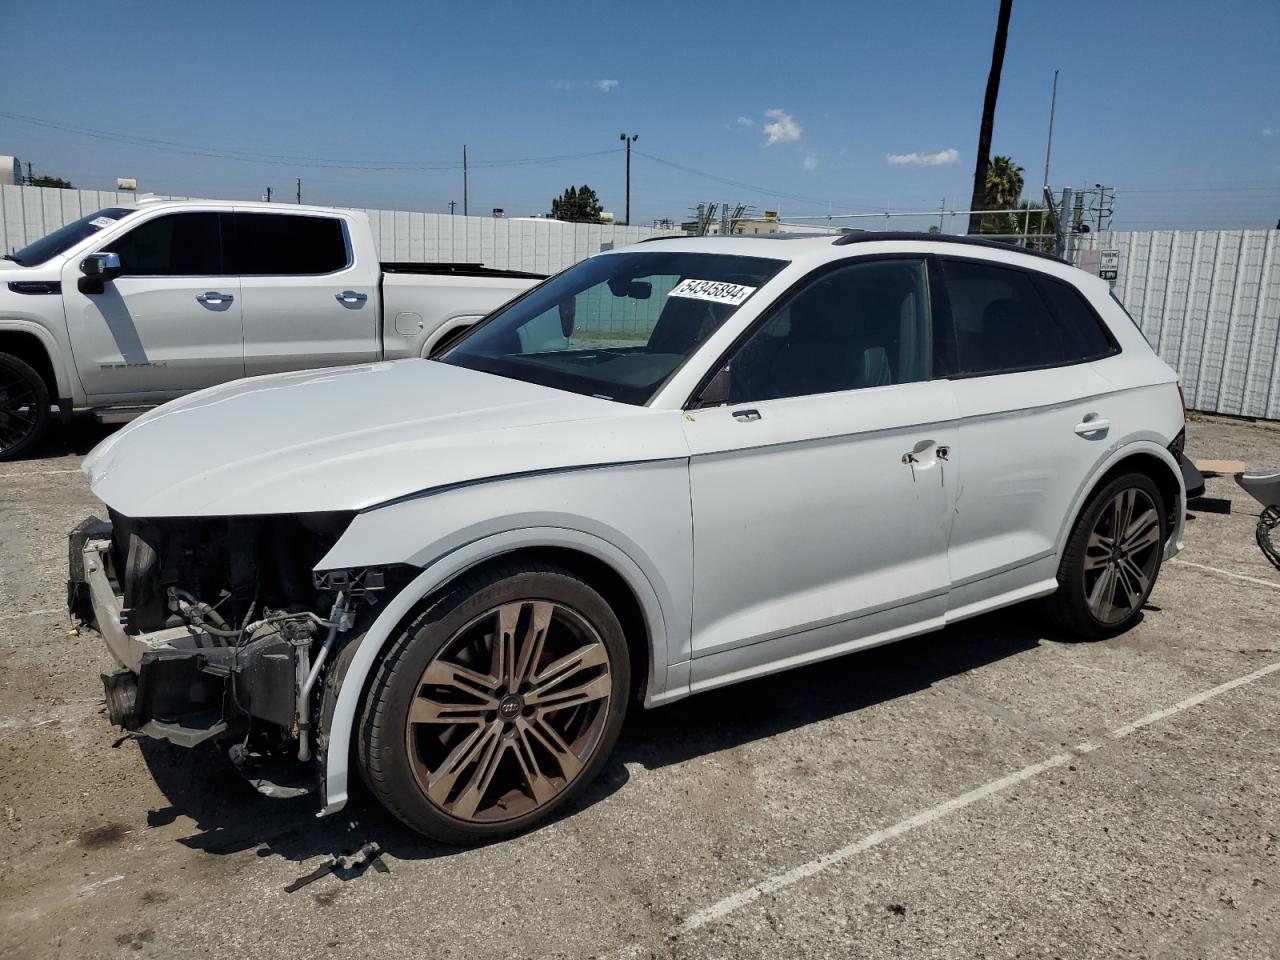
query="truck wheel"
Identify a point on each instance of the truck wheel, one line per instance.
(1111, 560)
(497, 705)
(24, 406)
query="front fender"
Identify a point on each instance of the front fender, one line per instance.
(432, 579)
(67, 385)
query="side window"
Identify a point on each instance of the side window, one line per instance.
(177, 245)
(1084, 335)
(282, 244)
(862, 325)
(1001, 323)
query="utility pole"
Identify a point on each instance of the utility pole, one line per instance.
(299, 180)
(452, 204)
(464, 179)
(29, 177)
(1053, 105)
(268, 194)
(988, 117)
(628, 140)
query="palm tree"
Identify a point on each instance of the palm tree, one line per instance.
(1004, 184)
(989, 115)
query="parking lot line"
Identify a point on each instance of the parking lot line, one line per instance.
(36, 473)
(1226, 573)
(742, 898)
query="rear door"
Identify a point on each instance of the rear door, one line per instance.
(1027, 391)
(307, 300)
(169, 323)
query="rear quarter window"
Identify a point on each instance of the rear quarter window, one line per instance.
(277, 244)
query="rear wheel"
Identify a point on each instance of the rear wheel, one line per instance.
(1112, 559)
(24, 406)
(496, 705)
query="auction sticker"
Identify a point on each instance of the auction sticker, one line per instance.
(714, 290)
(101, 222)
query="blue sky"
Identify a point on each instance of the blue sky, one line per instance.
(1176, 104)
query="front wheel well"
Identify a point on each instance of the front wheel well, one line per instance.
(30, 349)
(611, 585)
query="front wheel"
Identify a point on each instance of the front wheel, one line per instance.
(24, 406)
(496, 705)
(1112, 559)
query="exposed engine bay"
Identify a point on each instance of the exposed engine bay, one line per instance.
(225, 632)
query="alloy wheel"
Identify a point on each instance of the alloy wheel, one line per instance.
(509, 711)
(1122, 555)
(19, 410)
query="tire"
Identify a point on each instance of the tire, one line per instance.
(24, 406)
(1102, 585)
(466, 745)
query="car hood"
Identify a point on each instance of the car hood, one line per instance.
(348, 438)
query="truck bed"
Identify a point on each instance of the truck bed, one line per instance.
(457, 270)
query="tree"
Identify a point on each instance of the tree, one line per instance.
(43, 181)
(577, 205)
(1003, 191)
(989, 115)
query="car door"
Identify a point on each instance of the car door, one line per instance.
(169, 322)
(307, 301)
(1027, 393)
(821, 491)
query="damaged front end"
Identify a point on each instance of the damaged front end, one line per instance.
(224, 631)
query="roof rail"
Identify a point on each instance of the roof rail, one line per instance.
(872, 236)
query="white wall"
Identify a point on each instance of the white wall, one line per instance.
(541, 246)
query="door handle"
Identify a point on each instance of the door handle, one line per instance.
(1092, 424)
(214, 299)
(746, 416)
(925, 454)
(351, 296)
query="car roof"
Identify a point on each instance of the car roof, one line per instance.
(165, 203)
(811, 250)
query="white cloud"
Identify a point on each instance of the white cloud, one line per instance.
(1271, 131)
(746, 122)
(811, 163)
(950, 155)
(605, 86)
(782, 129)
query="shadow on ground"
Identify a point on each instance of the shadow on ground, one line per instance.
(230, 817)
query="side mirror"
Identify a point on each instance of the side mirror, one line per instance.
(101, 266)
(98, 268)
(716, 392)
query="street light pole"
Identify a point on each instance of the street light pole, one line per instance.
(628, 140)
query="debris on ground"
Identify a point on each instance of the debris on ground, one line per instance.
(344, 866)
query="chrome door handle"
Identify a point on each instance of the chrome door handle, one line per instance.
(351, 296)
(213, 298)
(746, 416)
(1091, 424)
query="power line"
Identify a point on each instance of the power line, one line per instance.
(755, 188)
(327, 163)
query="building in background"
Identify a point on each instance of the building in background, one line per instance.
(10, 170)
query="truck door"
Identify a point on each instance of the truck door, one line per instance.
(169, 323)
(307, 301)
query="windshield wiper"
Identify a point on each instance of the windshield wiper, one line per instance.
(10, 256)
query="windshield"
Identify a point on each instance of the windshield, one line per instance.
(67, 237)
(615, 326)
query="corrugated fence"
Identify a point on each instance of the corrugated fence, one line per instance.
(1209, 302)
(540, 246)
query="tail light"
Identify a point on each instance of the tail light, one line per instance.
(1183, 397)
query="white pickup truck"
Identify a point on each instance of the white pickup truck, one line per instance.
(135, 305)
